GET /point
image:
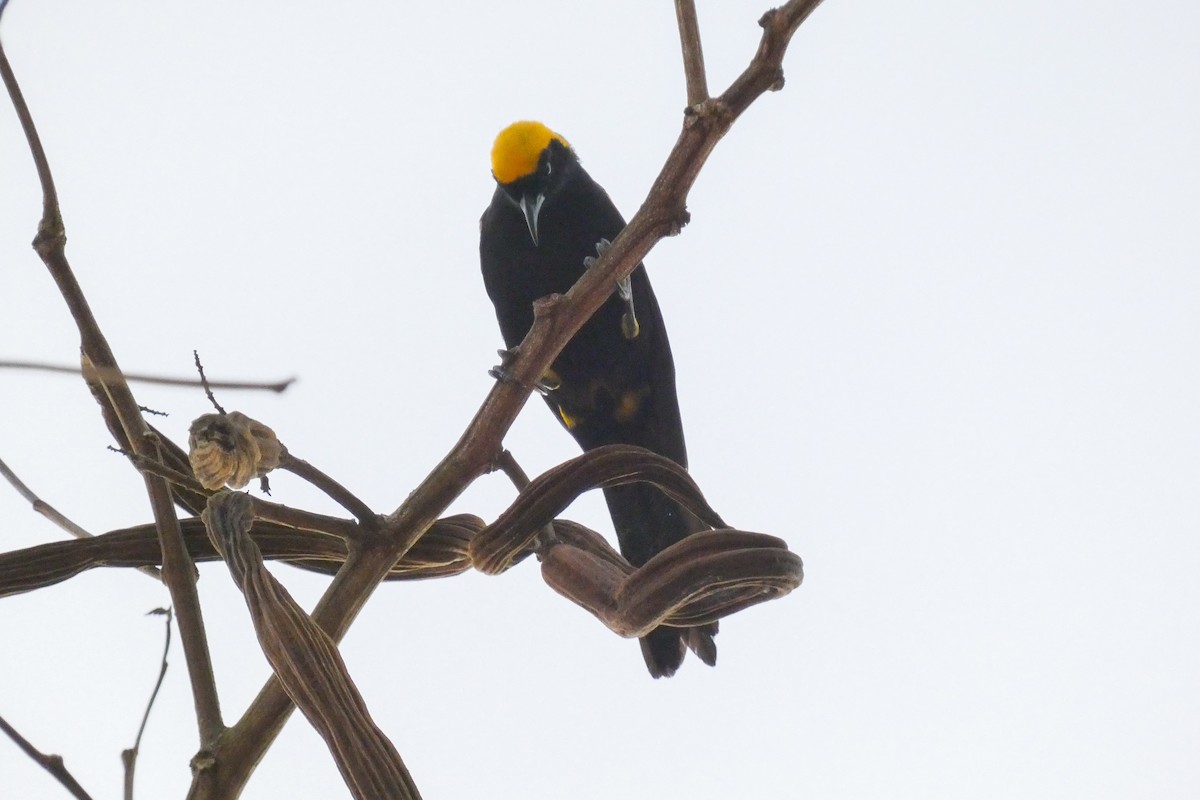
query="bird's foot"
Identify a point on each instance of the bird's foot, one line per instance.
(629, 323)
(601, 248)
(548, 383)
(500, 371)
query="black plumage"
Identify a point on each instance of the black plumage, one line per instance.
(607, 387)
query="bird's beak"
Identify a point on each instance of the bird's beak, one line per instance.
(530, 207)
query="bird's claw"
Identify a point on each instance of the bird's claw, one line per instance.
(500, 371)
(548, 383)
(601, 247)
(629, 322)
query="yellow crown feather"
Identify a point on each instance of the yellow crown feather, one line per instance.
(518, 148)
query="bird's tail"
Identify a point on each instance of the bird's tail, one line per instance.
(664, 648)
(647, 522)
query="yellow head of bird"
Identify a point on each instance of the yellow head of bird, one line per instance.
(518, 147)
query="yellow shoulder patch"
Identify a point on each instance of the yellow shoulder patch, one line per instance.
(567, 419)
(518, 147)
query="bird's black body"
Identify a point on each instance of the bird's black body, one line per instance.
(609, 388)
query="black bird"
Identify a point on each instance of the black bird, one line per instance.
(614, 382)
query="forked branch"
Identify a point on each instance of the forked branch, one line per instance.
(178, 571)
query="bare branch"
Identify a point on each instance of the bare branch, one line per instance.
(276, 386)
(52, 764)
(507, 463)
(129, 757)
(179, 573)
(693, 54)
(41, 506)
(367, 518)
(54, 515)
(50, 213)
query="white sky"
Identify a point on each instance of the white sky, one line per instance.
(935, 322)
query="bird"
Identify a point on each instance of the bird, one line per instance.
(614, 382)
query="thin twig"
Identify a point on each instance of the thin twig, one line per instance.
(336, 492)
(150, 466)
(204, 382)
(129, 757)
(263, 509)
(107, 375)
(507, 463)
(50, 210)
(52, 764)
(693, 53)
(41, 506)
(54, 515)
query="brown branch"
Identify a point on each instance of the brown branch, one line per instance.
(54, 515)
(693, 53)
(179, 573)
(52, 764)
(507, 463)
(178, 570)
(50, 212)
(556, 321)
(129, 757)
(160, 380)
(152, 466)
(367, 518)
(263, 509)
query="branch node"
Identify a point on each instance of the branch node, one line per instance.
(678, 220)
(203, 761)
(51, 237)
(712, 112)
(546, 306)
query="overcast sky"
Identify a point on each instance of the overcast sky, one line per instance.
(936, 323)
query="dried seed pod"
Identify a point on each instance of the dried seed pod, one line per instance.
(231, 449)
